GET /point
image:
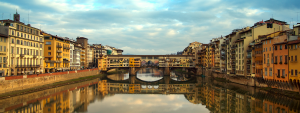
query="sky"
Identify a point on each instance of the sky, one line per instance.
(147, 27)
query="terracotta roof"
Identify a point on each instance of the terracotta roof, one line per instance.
(280, 43)
(294, 42)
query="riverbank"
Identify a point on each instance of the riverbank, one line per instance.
(57, 84)
(14, 83)
(49, 86)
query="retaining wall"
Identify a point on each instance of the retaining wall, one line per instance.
(13, 83)
(243, 80)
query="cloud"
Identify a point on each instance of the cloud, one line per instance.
(147, 27)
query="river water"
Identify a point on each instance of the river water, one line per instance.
(150, 92)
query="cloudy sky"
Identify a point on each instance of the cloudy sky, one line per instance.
(147, 26)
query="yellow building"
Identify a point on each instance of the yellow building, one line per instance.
(134, 62)
(296, 29)
(83, 58)
(4, 70)
(25, 47)
(102, 63)
(57, 53)
(294, 65)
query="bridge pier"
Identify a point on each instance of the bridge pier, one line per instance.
(166, 71)
(132, 71)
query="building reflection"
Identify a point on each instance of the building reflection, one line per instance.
(217, 98)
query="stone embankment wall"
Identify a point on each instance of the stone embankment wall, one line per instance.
(245, 81)
(26, 99)
(13, 83)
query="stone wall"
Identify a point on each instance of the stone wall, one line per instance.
(13, 83)
(26, 99)
(246, 81)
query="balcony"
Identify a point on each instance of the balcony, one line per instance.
(50, 61)
(59, 51)
(66, 47)
(82, 54)
(34, 56)
(58, 56)
(65, 61)
(22, 55)
(58, 46)
(30, 66)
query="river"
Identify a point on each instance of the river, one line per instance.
(150, 92)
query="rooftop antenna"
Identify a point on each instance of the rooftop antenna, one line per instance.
(28, 17)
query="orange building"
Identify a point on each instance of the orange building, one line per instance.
(268, 52)
(267, 58)
(281, 66)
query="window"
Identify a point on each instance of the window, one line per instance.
(280, 59)
(291, 58)
(266, 42)
(275, 47)
(295, 46)
(270, 48)
(48, 43)
(285, 46)
(280, 47)
(4, 48)
(292, 72)
(295, 57)
(296, 72)
(12, 41)
(283, 73)
(270, 71)
(49, 53)
(285, 59)
(270, 41)
(278, 72)
(266, 71)
(275, 59)
(41, 46)
(17, 50)
(291, 47)
(12, 50)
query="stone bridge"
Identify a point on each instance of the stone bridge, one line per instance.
(136, 62)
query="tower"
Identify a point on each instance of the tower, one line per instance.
(17, 16)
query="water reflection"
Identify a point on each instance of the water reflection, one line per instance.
(149, 74)
(179, 77)
(108, 96)
(121, 76)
